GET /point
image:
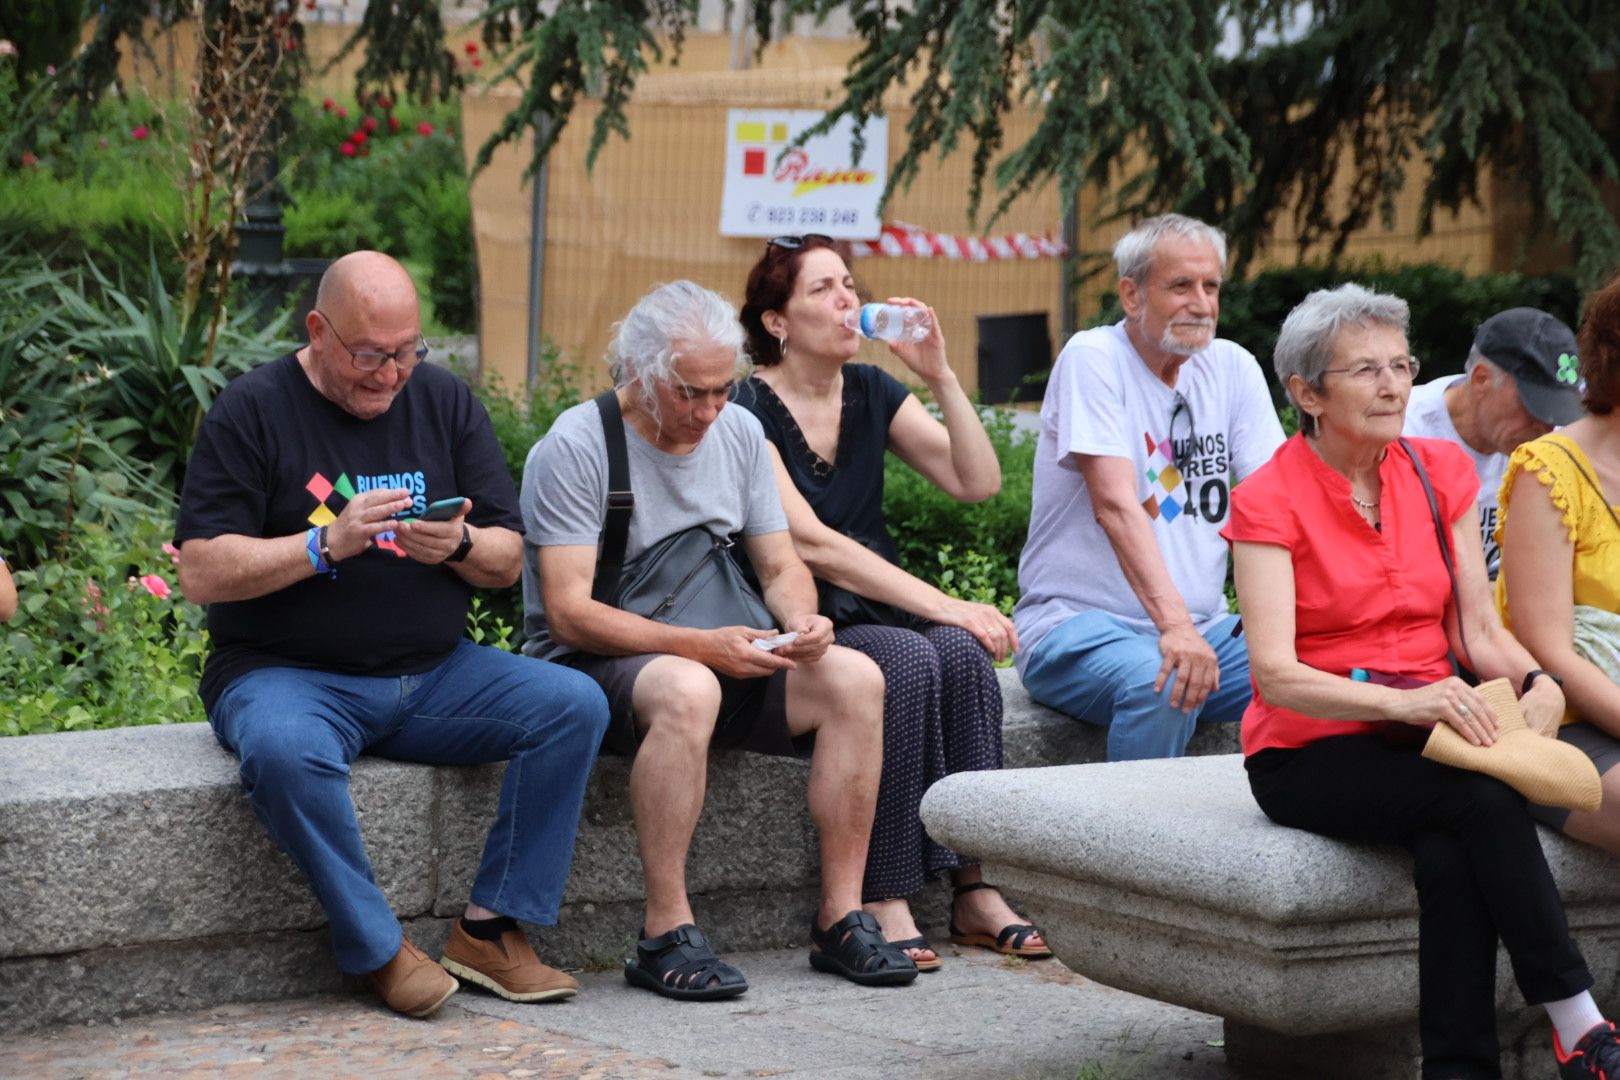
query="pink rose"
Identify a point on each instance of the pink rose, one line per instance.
(141, 132)
(156, 586)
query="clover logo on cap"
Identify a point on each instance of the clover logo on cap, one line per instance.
(1569, 371)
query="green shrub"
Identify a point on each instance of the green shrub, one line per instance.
(930, 527)
(520, 418)
(327, 225)
(439, 228)
(100, 639)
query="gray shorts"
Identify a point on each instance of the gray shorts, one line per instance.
(1595, 743)
(753, 712)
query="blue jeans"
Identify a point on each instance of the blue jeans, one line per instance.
(1098, 669)
(297, 731)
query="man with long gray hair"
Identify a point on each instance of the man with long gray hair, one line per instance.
(676, 691)
(1145, 427)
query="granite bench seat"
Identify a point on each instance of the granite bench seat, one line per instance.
(1163, 878)
(134, 877)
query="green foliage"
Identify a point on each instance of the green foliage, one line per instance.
(439, 225)
(520, 419)
(929, 527)
(326, 225)
(402, 192)
(98, 641)
(1446, 306)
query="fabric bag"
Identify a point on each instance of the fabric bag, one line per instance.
(686, 579)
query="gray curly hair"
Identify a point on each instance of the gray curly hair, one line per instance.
(679, 314)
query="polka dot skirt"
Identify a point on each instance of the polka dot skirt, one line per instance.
(941, 715)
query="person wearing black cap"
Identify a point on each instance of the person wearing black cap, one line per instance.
(1519, 383)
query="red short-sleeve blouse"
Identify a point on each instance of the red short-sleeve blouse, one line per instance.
(1363, 598)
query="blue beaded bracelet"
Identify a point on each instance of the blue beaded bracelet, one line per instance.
(314, 545)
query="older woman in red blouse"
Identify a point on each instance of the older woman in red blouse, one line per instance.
(1349, 613)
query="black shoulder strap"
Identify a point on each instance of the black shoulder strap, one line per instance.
(1590, 479)
(1442, 534)
(621, 501)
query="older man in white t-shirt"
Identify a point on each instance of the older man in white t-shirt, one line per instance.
(1520, 382)
(1145, 426)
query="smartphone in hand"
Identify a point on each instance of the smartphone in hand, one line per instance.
(442, 509)
(771, 644)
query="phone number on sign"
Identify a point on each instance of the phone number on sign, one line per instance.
(803, 216)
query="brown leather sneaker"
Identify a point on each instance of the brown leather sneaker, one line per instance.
(508, 967)
(411, 983)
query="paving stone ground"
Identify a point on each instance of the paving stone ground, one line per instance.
(980, 1017)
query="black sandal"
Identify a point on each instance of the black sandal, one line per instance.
(854, 947)
(920, 943)
(1013, 940)
(681, 965)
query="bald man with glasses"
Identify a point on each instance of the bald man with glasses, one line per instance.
(336, 611)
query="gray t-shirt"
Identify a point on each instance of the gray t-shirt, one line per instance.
(727, 484)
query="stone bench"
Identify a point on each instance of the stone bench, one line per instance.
(134, 877)
(1163, 878)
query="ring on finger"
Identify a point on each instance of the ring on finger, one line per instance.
(1464, 711)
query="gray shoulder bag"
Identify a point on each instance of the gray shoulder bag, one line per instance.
(686, 579)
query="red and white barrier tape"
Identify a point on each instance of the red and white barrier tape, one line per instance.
(900, 239)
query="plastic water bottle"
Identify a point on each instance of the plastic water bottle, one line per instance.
(890, 322)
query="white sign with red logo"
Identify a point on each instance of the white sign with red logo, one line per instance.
(814, 188)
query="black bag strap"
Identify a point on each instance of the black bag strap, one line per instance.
(621, 501)
(1590, 479)
(1440, 533)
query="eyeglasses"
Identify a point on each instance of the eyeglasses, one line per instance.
(794, 243)
(371, 360)
(1404, 370)
(1182, 449)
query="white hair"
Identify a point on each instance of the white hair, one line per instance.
(1479, 359)
(1305, 343)
(1134, 252)
(680, 314)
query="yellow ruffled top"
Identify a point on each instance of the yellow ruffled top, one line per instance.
(1591, 528)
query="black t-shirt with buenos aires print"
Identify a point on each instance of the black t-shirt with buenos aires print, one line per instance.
(274, 457)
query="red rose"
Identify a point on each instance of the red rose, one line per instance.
(347, 149)
(140, 132)
(477, 62)
(393, 124)
(341, 113)
(424, 128)
(327, 104)
(370, 124)
(385, 103)
(472, 47)
(357, 137)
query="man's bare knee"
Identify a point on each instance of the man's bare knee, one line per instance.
(678, 699)
(843, 687)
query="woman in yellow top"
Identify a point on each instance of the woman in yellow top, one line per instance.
(1559, 588)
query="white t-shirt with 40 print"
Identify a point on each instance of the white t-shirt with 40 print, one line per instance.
(1102, 400)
